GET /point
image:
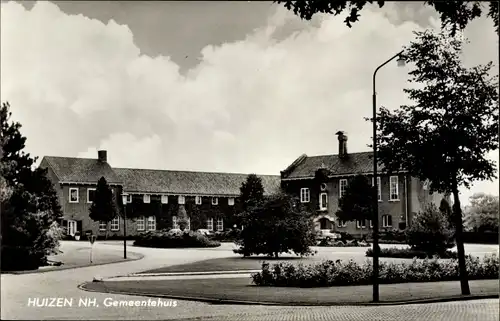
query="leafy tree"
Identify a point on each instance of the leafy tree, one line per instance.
(29, 205)
(446, 210)
(182, 218)
(103, 208)
(454, 14)
(357, 202)
(430, 231)
(278, 225)
(446, 135)
(482, 214)
(251, 191)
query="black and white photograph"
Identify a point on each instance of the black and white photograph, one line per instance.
(249, 160)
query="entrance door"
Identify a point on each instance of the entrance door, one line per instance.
(71, 227)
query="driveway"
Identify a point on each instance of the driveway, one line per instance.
(17, 290)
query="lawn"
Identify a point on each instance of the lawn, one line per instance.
(238, 263)
(242, 290)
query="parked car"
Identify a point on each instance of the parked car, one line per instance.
(329, 234)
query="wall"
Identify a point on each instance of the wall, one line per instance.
(394, 208)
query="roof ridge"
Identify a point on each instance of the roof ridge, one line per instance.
(188, 171)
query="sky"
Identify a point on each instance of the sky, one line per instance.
(209, 86)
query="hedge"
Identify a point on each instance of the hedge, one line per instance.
(339, 243)
(341, 273)
(410, 254)
(481, 237)
(167, 239)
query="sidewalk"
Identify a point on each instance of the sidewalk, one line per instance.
(238, 289)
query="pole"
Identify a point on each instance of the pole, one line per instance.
(376, 248)
(91, 247)
(124, 231)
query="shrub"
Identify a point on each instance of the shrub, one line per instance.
(410, 253)
(480, 237)
(339, 273)
(174, 239)
(430, 231)
(229, 236)
(339, 243)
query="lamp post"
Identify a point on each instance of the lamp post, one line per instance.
(124, 201)
(376, 252)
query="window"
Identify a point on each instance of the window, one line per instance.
(341, 223)
(129, 198)
(73, 195)
(102, 226)
(90, 195)
(371, 223)
(386, 220)
(342, 187)
(379, 188)
(323, 187)
(230, 201)
(220, 225)
(210, 224)
(146, 198)
(174, 222)
(426, 185)
(182, 199)
(164, 199)
(360, 223)
(140, 223)
(323, 201)
(197, 200)
(151, 223)
(305, 195)
(215, 200)
(115, 224)
(393, 188)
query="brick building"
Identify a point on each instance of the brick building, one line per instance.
(155, 196)
(400, 196)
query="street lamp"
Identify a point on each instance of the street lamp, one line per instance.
(376, 252)
(124, 201)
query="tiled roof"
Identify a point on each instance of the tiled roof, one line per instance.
(81, 170)
(189, 183)
(354, 163)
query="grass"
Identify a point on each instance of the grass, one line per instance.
(241, 289)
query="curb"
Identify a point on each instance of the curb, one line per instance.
(191, 273)
(248, 302)
(139, 257)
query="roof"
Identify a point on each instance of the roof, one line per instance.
(189, 183)
(81, 170)
(354, 163)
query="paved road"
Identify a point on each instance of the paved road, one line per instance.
(16, 290)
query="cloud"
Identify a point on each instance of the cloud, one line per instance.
(254, 105)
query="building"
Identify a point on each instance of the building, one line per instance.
(155, 196)
(320, 181)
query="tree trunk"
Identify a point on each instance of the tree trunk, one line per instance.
(457, 213)
(107, 229)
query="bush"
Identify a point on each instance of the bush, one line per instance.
(339, 273)
(481, 237)
(430, 232)
(174, 239)
(327, 241)
(410, 254)
(229, 236)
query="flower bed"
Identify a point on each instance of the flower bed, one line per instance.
(339, 243)
(410, 254)
(339, 273)
(174, 239)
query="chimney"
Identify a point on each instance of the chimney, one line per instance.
(102, 156)
(342, 144)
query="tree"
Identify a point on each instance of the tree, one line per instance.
(482, 214)
(29, 205)
(453, 14)
(445, 136)
(103, 208)
(357, 202)
(251, 191)
(430, 231)
(278, 225)
(447, 212)
(182, 218)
